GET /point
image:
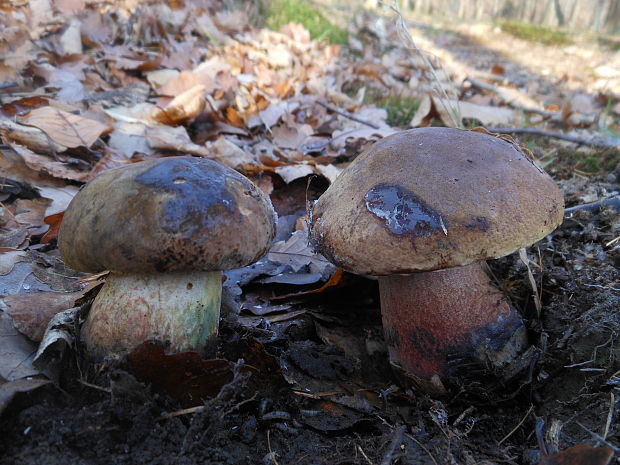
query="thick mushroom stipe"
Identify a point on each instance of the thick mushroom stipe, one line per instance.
(446, 318)
(179, 309)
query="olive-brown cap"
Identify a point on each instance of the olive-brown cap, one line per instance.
(168, 214)
(434, 198)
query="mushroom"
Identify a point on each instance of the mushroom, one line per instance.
(165, 229)
(422, 209)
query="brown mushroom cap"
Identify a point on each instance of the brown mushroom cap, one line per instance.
(434, 198)
(168, 214)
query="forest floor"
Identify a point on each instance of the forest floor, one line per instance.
(301, 373)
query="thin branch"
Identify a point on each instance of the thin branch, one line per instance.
(610, 414)
(346, 114)
(423, 448)
(518, 425)
(600, 142)
(388, 458)
(7, 85)
(511, 99)
(361, 451)
(613, 202)
(599, 438)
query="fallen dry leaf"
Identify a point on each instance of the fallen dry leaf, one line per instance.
(297, 253)
(234, 117)
(71, 39)
(60, 197)
(330, 172)
(182, 108)
(65, 128)
(129, 138)
(581, 454)
(9, 389)
(185, 376)
(227, 153)
(59, 335)
(33, 311)
(16, 352)
(485, 114)
(54, 221)
(158, 79)
(290, 136)
(68, 7)
(8, 259)
(31, 137)
(174, 139)
(47, 165)
(289, 173)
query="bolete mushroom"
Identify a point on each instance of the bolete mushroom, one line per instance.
(165, 229)
(421, 209)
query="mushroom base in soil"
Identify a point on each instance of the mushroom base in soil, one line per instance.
(444, 321)
(164, 228)
(178, 309)
(419, 209)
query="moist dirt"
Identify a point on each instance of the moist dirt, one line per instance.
(314, 386)
(318, 389)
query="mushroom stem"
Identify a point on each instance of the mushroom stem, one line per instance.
(436, 322)
(179, 308)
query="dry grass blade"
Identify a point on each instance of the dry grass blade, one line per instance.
(526, 261)
(410, 44)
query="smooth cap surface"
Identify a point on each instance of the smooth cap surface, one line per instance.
(434, 198)
(178, 213)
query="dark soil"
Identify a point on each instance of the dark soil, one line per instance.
(312, 384)
(317, 388)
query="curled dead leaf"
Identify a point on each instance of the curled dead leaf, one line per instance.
(183, 107)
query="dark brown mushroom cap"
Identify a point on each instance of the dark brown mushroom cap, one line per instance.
(434, 198)
(178, 213)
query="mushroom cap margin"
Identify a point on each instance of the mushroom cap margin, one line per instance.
(168, 214)
(434, 198)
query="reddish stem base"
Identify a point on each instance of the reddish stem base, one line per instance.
(434, 321)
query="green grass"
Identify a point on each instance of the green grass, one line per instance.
(536, 33)
(609, 43)
(400, 110)
(604, 161)
(598, 162)
(281, 12)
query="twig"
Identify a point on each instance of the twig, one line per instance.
(94, 386)
(510, 99)
(610, 414)
(396, 442)
(613, 202)
(423, 448)
(540, 427)
(599, 438)
(412, 438)
(518, 425)
(186, 411)
(600, 142)
(361, 451)
(272, 454)
(346, 114)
